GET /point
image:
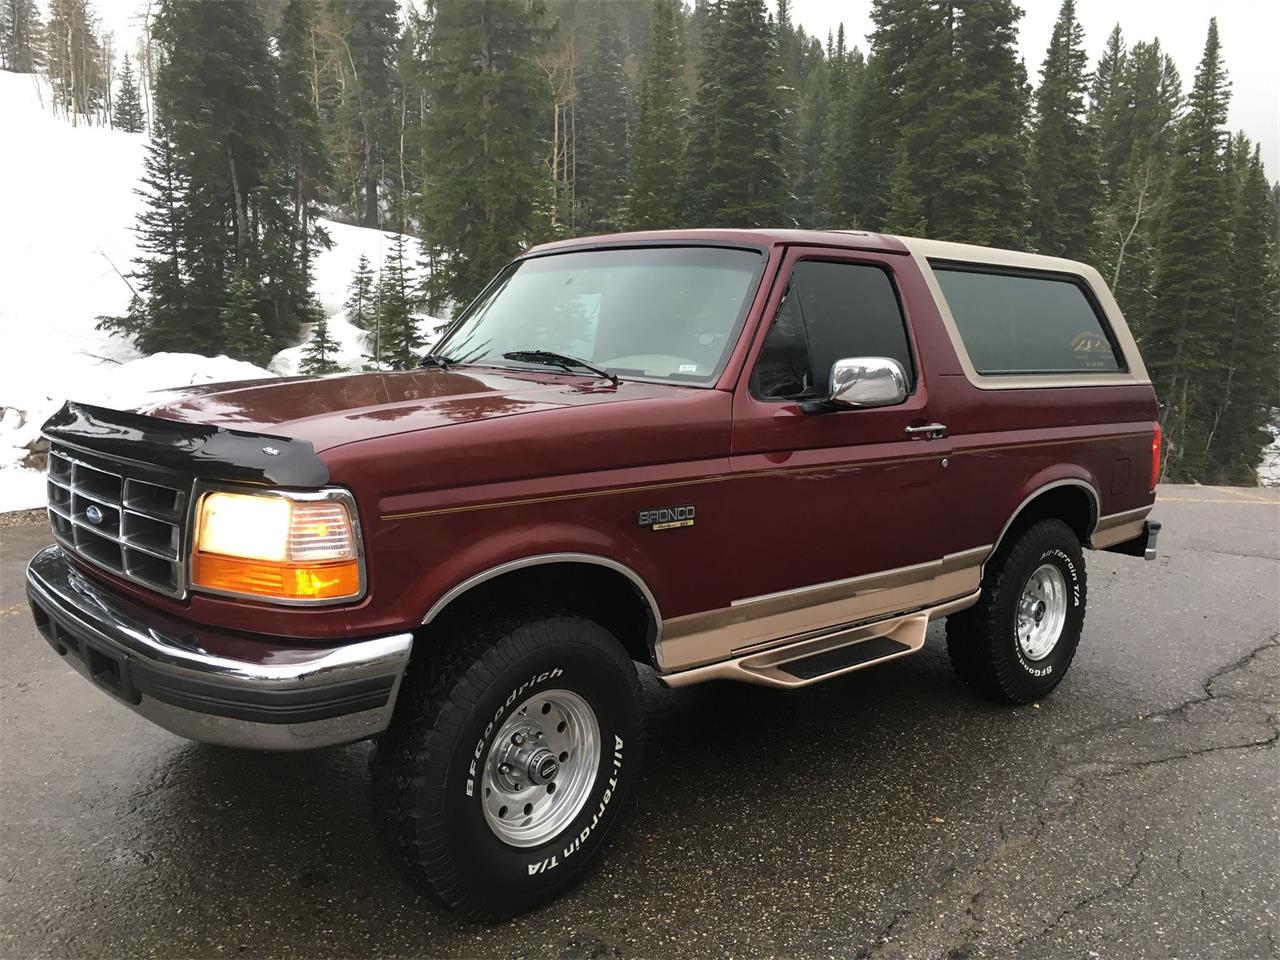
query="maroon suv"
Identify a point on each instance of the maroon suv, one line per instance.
(769, 456)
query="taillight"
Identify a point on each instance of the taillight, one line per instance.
(1155, 455)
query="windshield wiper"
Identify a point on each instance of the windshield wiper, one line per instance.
(550, 358)
(436, 360)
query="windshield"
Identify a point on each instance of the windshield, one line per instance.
(666, 313)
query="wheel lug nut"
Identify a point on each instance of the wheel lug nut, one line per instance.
(517, 739)
(504, 768)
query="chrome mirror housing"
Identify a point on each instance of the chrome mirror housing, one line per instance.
(867, 382)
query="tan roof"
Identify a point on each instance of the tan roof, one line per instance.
(971, 253)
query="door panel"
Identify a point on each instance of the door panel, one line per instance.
(832, 501)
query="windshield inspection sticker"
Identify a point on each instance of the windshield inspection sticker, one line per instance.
(667, 518)
(688, 368)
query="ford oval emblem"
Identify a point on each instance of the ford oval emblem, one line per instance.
(93, 513)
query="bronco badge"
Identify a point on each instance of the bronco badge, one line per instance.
(667, 518)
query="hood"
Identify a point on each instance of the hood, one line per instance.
(329, 411)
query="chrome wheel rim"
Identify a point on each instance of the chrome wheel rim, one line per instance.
(1042, 612)
(540, 768)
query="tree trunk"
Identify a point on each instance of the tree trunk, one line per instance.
(71, 97)
(242, 216)
(404, 187)
(370, 183)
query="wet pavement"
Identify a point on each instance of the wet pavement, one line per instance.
(1135, 813)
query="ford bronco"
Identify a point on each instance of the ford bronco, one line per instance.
(766, 456)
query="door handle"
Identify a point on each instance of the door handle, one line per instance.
(930, 431)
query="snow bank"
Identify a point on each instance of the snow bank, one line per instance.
(121, 386)
(67, 237)
(1269, 469)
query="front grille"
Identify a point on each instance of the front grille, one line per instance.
(105, 512)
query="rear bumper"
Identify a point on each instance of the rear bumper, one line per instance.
(256, 693)
(1143, 545)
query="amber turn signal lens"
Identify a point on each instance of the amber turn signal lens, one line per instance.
(277, 581)
(277, 547)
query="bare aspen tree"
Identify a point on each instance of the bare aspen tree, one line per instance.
(1144, 207)
(146, 64)
(561, 73)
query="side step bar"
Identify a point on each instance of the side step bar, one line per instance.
(830, 654)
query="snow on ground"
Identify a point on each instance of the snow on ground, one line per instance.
(66, 238)
(1269, 469)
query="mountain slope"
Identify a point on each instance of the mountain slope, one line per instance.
(66, 245)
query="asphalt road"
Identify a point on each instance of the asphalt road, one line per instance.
(1135, 813)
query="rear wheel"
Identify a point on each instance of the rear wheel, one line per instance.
(503, 775)
(1016, 643)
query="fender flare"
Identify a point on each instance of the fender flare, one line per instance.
(543, 559)
(1095, 509)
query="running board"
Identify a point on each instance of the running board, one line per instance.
(802, 662)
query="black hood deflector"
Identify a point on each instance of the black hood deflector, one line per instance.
(199, 450)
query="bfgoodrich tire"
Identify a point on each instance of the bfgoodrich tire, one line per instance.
(1016, 643)
(505, 772)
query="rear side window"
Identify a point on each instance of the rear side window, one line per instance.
(832, 311)
(1021, 323)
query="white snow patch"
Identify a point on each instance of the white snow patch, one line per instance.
(69, 213)
(121, 387)
(1269, 469)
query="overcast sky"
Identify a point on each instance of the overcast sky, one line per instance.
(1248, 29)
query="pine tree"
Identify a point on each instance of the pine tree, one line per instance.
(841, 176)
(410, 109)
(486, 192)
(960, 167)
(813, 135)
(244, 337)
(1242, 399)
(157, 319)
(880, 113)
(218, 211)
(790, 42)
(1064, 180)
(656, 143)
(789, 52)
(303, 161)
(396, 342)
(361, 305)
(1183, 342)
(601, 178)
(1151, 92)
(320, 350)
(1108, 106)
(362, 115)
(735, 172)
(21, 36)
(127, 110)
(701, 192)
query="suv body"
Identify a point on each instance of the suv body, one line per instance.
(725, 508)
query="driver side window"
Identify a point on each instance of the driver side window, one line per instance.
(830, 311)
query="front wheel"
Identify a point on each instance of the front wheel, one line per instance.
(1015, 644)
(501, 780)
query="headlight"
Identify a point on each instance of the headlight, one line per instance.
(299, 548)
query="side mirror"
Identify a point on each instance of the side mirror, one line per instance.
(858, 382)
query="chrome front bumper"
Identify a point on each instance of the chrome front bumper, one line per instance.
(267, 694)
